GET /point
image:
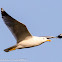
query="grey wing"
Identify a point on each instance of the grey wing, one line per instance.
(18, 29)
(49, 37)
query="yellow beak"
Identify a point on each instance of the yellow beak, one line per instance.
(49, 40)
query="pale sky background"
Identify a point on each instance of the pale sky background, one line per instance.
(42, 18)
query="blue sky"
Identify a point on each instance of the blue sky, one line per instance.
(42, 18)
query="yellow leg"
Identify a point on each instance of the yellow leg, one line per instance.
(12, 49)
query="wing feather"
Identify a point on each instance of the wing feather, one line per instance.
(18, 29)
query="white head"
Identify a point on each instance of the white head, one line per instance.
(44, 39)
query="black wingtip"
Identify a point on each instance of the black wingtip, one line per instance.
(2, 9)
(59, 36)
(3, 12)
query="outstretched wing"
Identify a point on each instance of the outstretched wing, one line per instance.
(49, 37)
(18, 29)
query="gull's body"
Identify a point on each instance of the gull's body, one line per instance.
(21, 33)
(31, 42)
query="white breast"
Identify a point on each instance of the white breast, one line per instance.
(33, 41)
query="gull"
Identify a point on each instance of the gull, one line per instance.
(22, 35)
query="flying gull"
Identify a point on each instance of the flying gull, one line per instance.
(22, 35)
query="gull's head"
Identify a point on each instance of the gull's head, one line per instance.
(44, 39)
